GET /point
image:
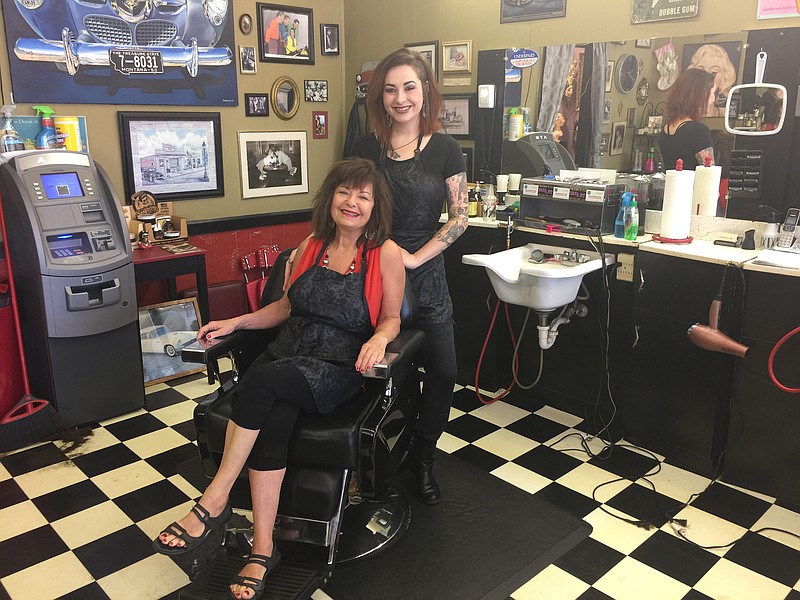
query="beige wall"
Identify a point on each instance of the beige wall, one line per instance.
(104, 132)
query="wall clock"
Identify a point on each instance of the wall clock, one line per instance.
(627, 73)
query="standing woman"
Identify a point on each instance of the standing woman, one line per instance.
(425, 170)
(685, 136)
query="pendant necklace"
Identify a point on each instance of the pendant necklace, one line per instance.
(350, 269)
(393, 154)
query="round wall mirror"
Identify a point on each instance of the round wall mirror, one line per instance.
(285, 98)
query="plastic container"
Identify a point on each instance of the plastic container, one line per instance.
(9, 138)
(47, 138)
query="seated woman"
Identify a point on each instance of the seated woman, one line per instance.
(340, 311)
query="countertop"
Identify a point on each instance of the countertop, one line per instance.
(703, 250)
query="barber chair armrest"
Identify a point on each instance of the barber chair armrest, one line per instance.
(399, 354)
(244, 341)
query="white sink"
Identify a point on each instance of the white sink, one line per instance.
(543, 286)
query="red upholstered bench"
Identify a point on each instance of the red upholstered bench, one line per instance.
(225, 299)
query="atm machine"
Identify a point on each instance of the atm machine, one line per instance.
(72, 261)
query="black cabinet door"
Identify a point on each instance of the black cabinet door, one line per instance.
(673, 395)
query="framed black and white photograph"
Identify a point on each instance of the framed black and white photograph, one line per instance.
(247, 60)
(315, 90)
(604, 139)
(617, 138)
(606, 111)
(175, 156)
(273, 163)
(458, 115)
(256, 105)
(457, 57)
(609, 75)
(469, 154)
(631, 121)
(285, 34)
(164, 329)
(531, 10)
(245, 24)
(429, 50)
(329, 38)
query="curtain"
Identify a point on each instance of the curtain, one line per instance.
(598, 96)
(554, 77)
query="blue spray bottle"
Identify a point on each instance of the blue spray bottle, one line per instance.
(47, 138)
(622, 215)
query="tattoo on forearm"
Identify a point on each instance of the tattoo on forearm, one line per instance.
(458, 207)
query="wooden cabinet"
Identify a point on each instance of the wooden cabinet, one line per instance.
(674, 399)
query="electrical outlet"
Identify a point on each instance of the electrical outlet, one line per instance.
(625, 267)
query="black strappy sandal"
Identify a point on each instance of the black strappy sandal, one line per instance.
(191, 543)
(257, 585)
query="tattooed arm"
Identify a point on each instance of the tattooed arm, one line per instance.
(701, 155)
(457, 205)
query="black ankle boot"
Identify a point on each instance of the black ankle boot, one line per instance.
(421, 465)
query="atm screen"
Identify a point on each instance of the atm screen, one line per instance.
(58, 186)
(546, 150)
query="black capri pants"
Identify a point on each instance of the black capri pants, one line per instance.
(271, 397)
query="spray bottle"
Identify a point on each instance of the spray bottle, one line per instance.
(9, 138)
(622, 215)
(47, 138)
(632, 223)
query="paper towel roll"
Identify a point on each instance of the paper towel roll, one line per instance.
(706, 190)
(676, 216)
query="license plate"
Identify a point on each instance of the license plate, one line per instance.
(136, 61)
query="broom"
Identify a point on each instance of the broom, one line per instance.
(32, 419)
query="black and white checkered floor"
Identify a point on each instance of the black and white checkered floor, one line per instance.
(76, 520)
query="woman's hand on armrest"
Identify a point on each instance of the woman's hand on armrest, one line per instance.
(216, 329)
(393, 276)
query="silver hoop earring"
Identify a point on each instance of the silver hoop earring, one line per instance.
(389, 120)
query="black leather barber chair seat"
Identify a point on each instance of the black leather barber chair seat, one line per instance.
(323, 518)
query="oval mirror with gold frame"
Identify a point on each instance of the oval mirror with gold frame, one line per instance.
(285, 97)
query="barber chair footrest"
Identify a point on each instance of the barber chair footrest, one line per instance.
(370, 528)
(288, 582)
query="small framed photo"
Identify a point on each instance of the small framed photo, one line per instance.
(458, 115)
(617, 138)
(512, 11)
(319, 124)
(273, 163)
(245, 24)
(164, 329)
(631, 121)
(643, 43)
(285, 34)
(606, 111)
(457, 57)
(329, 38)
(315, 90)
(469, 159)
(655, 122)
(609, 74)
(175, 156)
(247, 60)
(604, 139)
(256, 105)
(429, 50)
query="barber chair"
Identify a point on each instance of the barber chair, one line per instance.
(337, 502)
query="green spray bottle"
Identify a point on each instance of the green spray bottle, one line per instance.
(47, 138)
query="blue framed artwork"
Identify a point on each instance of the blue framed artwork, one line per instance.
(120, 53)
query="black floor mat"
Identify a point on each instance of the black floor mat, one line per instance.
(483, 541)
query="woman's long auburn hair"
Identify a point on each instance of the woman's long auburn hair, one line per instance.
(688, 96)
(432, 102)
(354, 173)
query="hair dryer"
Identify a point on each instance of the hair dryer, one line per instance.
(708, 337)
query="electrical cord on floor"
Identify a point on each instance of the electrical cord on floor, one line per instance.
(507, 391)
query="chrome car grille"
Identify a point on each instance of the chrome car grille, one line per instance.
(117, 32)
